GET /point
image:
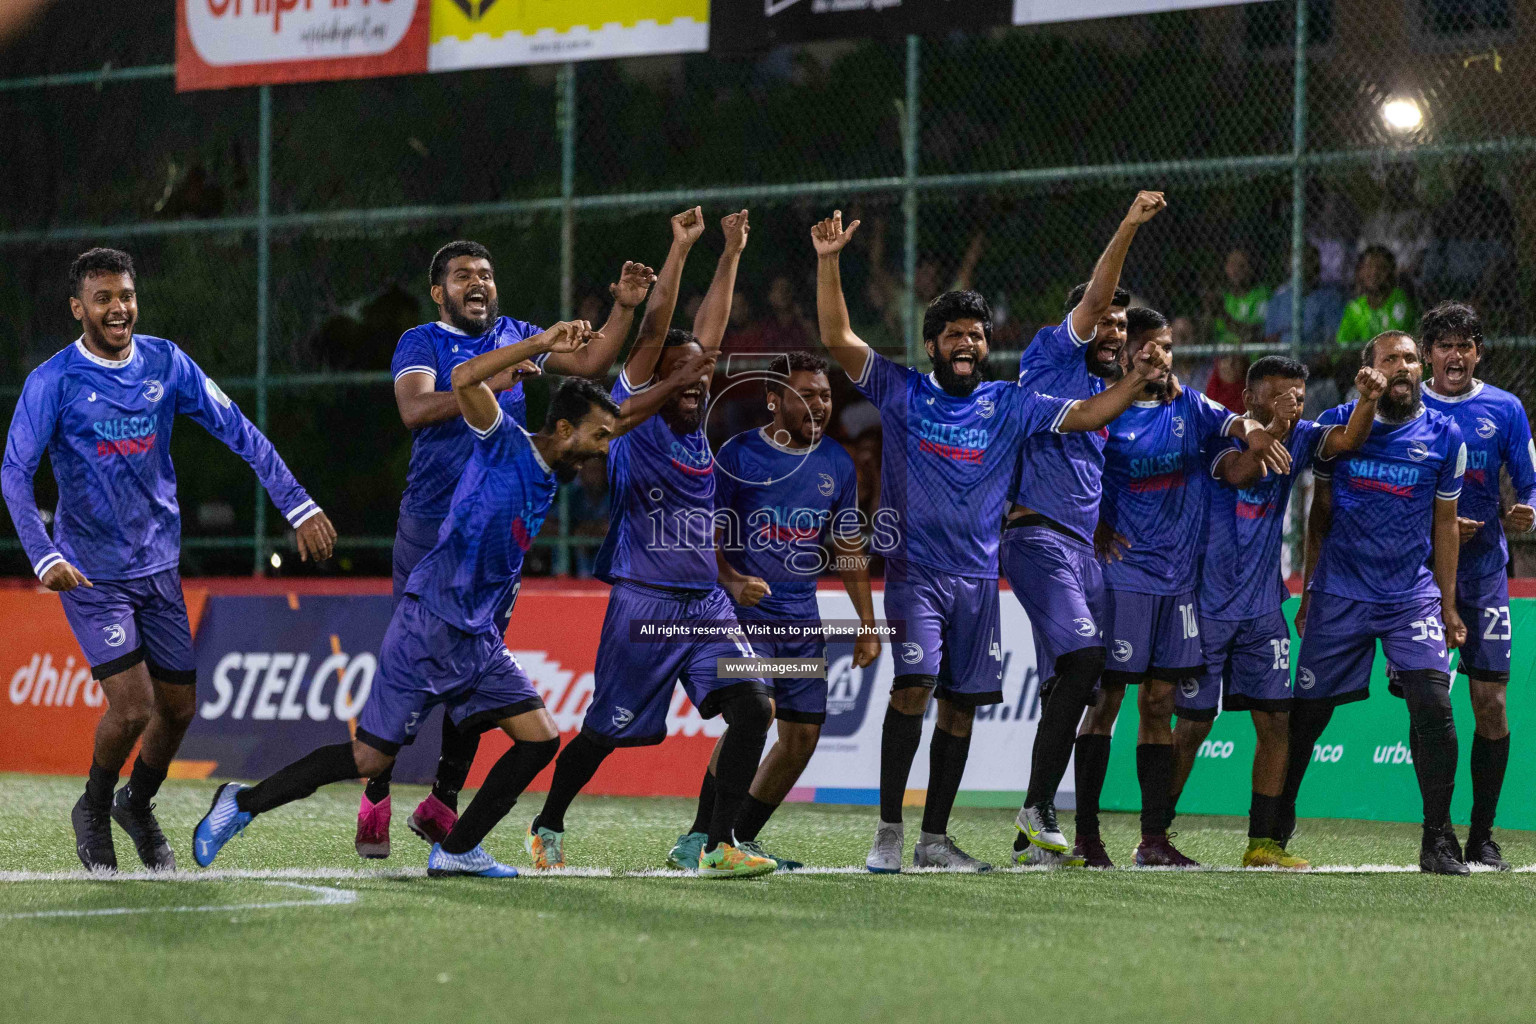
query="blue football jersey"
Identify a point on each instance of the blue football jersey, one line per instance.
(1061, 475)
(947, 464)
(661, 530)
(106, 426)
(1494, 426)
(1378, 547)
(471, 576)
(778, 507)
(440, 450)
(1154, 490)
(1245, 531)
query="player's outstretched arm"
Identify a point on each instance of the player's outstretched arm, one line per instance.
(32, 424)
(853, 568)
(829, 238)
(642, 405)
(634, 283)
(1241, 469)
(1106, 272)
(1150, 364)
(687, 227)
(714, 313)
(421, 404)
(1371, 384)
(471, 378)
(1446, 549)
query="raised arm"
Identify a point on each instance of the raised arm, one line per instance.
(1446, 552)
(829, 237)
(1370, 383)
(641, 364)
(715, 311)
(644, 404)
(471, 387)
(635, 280)
(1095, 413)
(1106, 272)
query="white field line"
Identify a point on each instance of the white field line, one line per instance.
(328, 897)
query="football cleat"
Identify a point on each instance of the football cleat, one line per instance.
(1159, 852)
(939, 851)
(144, 829)
(545, 847)
(885, 854)
(727, 861)
(755, 848)
(93, 836)
(223, 822)
(1039, 857)
(372, 840)
(1090, 849)
(1439, 855)
(1486, 852)
(476, 863)
(432, 820)
(1038, 825)
(685, 853)
(1266, 853)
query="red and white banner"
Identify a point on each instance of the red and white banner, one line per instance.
(224, 43)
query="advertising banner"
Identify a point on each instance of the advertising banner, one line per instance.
(493, 33)
(224, 43)
(1032, 12)
(740, 25)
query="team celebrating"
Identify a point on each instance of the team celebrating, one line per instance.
(1139, 524)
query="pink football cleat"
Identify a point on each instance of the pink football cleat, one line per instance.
(432, 819)
(373, 829)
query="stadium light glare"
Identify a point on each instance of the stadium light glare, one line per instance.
(1402, 114)
(277, 560)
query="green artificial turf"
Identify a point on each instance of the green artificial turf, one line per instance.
(1073, 946)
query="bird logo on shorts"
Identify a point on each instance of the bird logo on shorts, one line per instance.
(1418, 451)
(115, 635)
(1178, 426)
(153, 391)
(827, 486)
(1486, 427)
(1306, 679)
(1123, 650)
(1085, 627)
(1190, 688)
(985, 407)
(911, 652)
(622, 717)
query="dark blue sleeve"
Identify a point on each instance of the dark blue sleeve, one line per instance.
(1338, 415)
(414, 353)
(1211, 420)
(845, 520)
(200, 399)
(882, 381)
(1520, 454)
(1453, 465)
(32, 425)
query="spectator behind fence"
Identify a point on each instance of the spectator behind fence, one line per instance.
(1322, 308)
(1240, 315)
(1400, 224)
(1229, 376)
(589, 508)
(1381, 305)
(1472, 258)
(1333, 224)
(785, 328)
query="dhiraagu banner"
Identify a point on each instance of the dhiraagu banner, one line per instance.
(492, 33)
(1360, 767)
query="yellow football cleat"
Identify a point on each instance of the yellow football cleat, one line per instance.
(546, 848)
(726, 861)
(1266, 853)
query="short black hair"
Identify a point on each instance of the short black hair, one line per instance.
(1383, 252)
(677, 338)
(99, 261)
(1277, 366)
(1075, 297)
(805, 361)
(1451, 320)
(1368, 354)
(440, 260)
(957, 305)
(1141, 319)
(574, 399)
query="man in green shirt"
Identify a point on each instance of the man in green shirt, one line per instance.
(1243, 303)
(1381, 305)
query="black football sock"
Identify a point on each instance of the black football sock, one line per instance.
(574, 768)
(899, 740)
(453, 764)
(706, 808)
(741, 748)
(297, 781)
(144, 782)
(1092, 768)
(1489, 759)
(1261, 816)
(1154, 770)
(1076, 675)
(1308, 720)
(1428, 694)
(377, 788)
(505, 782)
(946, 764)
(754, 815)
(99, 786)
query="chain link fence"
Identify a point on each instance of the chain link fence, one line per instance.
(1315, 153)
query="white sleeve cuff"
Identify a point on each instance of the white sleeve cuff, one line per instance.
(48, 562)
(298, 515)
(869, 362)
(1217, 460)
(1322, 439)
(1061, 416)
(1227, 425)
(1072, 331)
(429, 371)
(488, 431)
(1448, 497)
(624, 379)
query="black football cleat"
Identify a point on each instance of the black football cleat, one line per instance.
(1285, 825)
(144, 830)
(1483, 850)
(1440, 855)
(93, 836)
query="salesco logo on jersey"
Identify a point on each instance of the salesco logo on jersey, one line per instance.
(1486, 427)
(985, 407)
(153, 391)
(1178, 426)
(1418, 451)
(827, 485)
(1123, 650)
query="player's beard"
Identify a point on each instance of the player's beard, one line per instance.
(464, 322)
(1110, 371)
(565, 470)
(682, 423)
(952, 382)
(1394, 411)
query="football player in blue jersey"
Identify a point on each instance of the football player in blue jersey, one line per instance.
(103, 410)
(1498, 435)
(445, 643)
(463, 287)
(784, 497)
(951, 441)
(1382, 553)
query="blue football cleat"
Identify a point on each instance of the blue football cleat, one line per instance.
(223, 822)
(478, 863)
